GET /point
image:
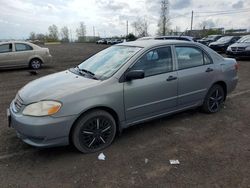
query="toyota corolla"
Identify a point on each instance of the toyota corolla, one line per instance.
(123, 85)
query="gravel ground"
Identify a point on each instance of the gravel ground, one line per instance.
(213, 150)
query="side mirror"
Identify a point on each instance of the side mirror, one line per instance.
(135, 74)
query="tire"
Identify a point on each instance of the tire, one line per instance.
(214, 99)
(93, 131)
(35, 64)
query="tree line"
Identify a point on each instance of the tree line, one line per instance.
(140, 26)
(55, 34)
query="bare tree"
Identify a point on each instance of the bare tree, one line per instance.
(53, 33)
(164, 22)
(65, 34)
(32, 36)
(141, 27)
(81, 32)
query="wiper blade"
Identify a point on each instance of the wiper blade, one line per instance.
(81, 71)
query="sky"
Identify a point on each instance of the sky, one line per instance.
(20, 17)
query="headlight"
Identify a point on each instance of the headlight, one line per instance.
(42, 108)
(228, 48)
(248, 48)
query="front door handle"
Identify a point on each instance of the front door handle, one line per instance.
(170, 78)
(209, 69)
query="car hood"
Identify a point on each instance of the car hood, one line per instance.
(219, 43)
(240, 44)
(205, 40)
(55, 87)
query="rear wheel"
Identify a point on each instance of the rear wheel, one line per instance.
(35, 64)
(94, 131)
(214, 99)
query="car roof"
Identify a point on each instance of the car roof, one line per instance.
(152, 43)
(174, 36)
(15, 41)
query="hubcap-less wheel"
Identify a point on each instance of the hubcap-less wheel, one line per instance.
(214, 99)
(94, 131)
(35, 64)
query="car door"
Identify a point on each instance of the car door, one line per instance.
(6, 55)
(195, 74)
(156, 93)
(22, 53)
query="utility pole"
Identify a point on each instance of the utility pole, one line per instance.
(127, 27)
(192, 17)
(94, 31)
(71, 39)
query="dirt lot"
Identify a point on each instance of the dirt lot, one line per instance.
(213, 150)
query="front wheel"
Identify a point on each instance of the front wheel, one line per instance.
(214, 99)
(94, 131)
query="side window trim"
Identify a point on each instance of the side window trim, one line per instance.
(195, 47)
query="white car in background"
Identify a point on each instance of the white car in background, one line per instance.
(21, 54)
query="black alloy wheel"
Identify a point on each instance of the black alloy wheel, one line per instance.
(214, 99)
(94, 131)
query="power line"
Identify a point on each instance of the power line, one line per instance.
(213, 13)
(222, 11)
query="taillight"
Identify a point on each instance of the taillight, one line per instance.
(236, 66)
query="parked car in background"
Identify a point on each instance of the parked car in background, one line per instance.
(222, 44)
(210, 38)
(101, 41)
(21, 54)
(123, 85)
(114, 41)
(240, 49)
(183, 38)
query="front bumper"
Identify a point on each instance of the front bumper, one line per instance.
(238, 53)
(42, 131)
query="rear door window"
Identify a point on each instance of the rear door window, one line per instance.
(4, 48)
(189, 57)
(22, 47)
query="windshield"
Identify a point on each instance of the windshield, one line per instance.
(105, 63)
(225, 39)
(245, 39)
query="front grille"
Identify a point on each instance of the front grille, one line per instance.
(233, 49)
(238, 49)
(18, 103)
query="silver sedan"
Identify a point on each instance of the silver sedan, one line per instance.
(21, 54)
(123, 85)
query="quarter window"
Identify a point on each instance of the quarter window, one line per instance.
(156, 61)
(4, 48)
(23, 47)
(207, 60)
(189, 57)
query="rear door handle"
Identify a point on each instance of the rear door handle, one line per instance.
(209, 69)
(170, 78)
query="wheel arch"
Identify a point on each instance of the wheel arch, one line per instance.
(223, 85)
(111, 111)
(35, 57)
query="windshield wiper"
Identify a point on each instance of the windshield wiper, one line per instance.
(82, 71)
